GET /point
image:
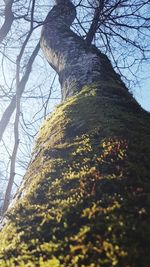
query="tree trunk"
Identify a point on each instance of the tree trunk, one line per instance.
(84, 199)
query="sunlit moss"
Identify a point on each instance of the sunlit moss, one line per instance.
(85, 199)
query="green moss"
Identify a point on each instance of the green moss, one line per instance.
(85, 199)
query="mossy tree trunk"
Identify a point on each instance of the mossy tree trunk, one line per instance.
(84, 200)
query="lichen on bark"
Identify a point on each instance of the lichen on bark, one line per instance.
(84, 200)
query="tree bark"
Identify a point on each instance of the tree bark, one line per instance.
(84, 199)
(76, 63)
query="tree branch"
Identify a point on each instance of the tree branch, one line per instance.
(10, 109)
(94, 25)
(9, 17)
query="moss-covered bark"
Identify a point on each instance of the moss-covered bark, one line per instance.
(85, 199)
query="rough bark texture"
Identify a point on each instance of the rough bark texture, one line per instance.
(76, 63)
(84, 200)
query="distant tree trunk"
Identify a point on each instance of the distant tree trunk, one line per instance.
(84, 199)
(9, 17)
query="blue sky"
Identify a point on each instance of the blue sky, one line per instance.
(142, 95)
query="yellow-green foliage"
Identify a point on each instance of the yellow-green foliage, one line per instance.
(85, 200)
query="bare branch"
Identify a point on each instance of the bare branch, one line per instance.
(10, 109)
(94, 25)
